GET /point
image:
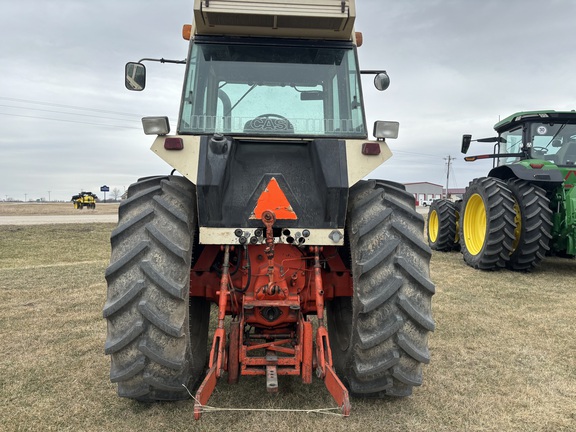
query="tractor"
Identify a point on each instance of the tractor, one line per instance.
(525, 208)
(84, 199)
(268, 254)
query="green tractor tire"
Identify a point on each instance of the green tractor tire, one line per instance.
(487, 228)
(442, 226)
(533, 225)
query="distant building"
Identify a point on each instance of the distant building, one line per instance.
(424, 191)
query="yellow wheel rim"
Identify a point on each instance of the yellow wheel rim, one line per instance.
(433, 226)
(474, 228)
(518, 228)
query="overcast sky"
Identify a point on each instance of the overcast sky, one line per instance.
(456, 66)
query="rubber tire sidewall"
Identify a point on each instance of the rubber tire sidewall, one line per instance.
(379, 348)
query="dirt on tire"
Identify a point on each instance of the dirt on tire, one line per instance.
(379, 336)
(156, 333)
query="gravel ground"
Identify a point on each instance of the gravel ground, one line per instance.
(55, 213)
(58, 219)
(80, 216)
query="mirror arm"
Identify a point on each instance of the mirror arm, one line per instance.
(163, 60)
(372, 72)
(491, 139)
(492, 156)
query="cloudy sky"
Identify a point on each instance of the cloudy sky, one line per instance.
(456, 66)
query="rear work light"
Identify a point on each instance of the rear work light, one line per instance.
(386, 129)
(156, 125)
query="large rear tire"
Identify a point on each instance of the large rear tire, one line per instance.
(379, 337)
(157, 335)
(487, 224)
(533, 225)
(442, 227)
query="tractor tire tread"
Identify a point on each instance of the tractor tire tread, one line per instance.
(148, 310)
(499, 207)
(382, 331)
(445, 212)
(534, 231)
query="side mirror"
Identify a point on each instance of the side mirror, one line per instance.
(466, 139)
(381, 81)
(135, 76)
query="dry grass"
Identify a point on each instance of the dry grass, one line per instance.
(52, 208)
(503, 354)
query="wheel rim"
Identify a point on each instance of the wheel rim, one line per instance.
(475, 224)
(433, 226)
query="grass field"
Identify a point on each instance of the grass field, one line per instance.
(503, 354)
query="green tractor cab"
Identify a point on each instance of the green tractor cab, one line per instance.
(526, 206)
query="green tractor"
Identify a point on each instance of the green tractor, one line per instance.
(525, 208)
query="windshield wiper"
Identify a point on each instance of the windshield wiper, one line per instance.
(239, 100)
(556, 134)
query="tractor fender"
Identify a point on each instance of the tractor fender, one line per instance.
(547, 178)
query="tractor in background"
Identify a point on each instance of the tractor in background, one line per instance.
(84, 199)
(525, 208)
(310, 269)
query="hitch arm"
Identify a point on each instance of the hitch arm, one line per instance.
(325, 370)
(217, 354)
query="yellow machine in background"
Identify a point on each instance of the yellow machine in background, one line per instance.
(84, 199)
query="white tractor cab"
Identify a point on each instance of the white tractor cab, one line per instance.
(269, 219)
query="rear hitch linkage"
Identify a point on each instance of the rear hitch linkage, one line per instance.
(300, 353)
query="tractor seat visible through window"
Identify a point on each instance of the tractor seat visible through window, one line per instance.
(567, 154)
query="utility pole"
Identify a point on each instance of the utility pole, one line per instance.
(49, 196)
(25, 197)
(448, 160)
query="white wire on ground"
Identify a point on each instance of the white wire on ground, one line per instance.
(207, 408)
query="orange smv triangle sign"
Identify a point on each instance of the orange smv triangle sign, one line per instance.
(273, 199)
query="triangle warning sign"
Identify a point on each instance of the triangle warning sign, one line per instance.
(273, 199)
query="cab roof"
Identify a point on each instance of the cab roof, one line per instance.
(518, 118)
(301, 19)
